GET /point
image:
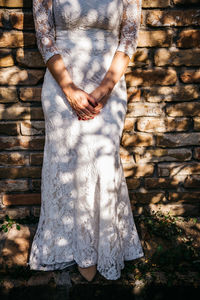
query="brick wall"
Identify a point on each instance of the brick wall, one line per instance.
(160, 146)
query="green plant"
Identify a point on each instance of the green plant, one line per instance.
(8, 223)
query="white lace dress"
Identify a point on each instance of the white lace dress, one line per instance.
(86, 216)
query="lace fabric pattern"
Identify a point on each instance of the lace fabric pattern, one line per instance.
(86, 215)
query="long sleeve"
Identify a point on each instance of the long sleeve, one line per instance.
(130, 25)
(44, 27)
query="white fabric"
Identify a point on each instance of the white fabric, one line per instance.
(86, 216)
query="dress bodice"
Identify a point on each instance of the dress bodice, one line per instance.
(118, 17)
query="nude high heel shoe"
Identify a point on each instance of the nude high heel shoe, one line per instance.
(88, 273)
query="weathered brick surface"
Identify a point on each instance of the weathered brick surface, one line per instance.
(32, 128)
(16, 3)
(174, 93)
(18, 76)
(167, 17)
(22, 199)
(190, 76)
(189, 38)
(14, 39)
(184, 109)
(185, 2)
(160, 143)
(178, 169)
(9, 128)
(21, 143)
(155, 3)
(8, 94)
(157, 155)
(30, 93)
(149, 124)
(178, 140)
(15, 158)
(190, 57)
(197, 124)
(155, 38)
(156, 76)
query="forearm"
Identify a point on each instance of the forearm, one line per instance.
(117, 68)
(57, 68)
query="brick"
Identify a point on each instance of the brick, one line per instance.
(15, 39)
(14, 158)
(189, 17)
(185, 2)
(168, 94)
(197, 153)
(138, 170)
(6, 58)
(126, 155)
(21, 199)
(129, 124)
(133, 183)
(29, 58)
(178, 139)
(20, 143)
(16, 19)
(189, 38)
(150, 77)
(9, 185)
(185, 197)
(134, 94)
(161, 183)
(175, 209)
(144, 109)
(158, 155)
(196, 124)
(9, 128)
(155, 38)
(30, 93)
(32, 128)
(190, 57)
(17, 112)
(178, 169)
(22, 172)
(36, 185)
(155, 3)
(184, 109)
(36, 159)
(147, 197)
(140, 58)
(149, 124)
(35, 210)
(8, 94)
(16, 3)
(192, 181)
(17, 76)
(15, 213)
(190, 76)
(137, 139)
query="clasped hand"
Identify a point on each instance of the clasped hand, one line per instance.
(87, 106)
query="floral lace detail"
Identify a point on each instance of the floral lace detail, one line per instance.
(44, 28)
(86, 215)
(130, 26)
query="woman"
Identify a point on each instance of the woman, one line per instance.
(86, 216)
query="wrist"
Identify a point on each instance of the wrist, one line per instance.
(69, 88)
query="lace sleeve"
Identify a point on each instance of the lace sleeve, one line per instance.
(44, 27)
(130, 25)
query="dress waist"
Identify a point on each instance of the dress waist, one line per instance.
(81, 40)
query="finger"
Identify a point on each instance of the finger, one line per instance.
(92, 100)
(91, 109)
